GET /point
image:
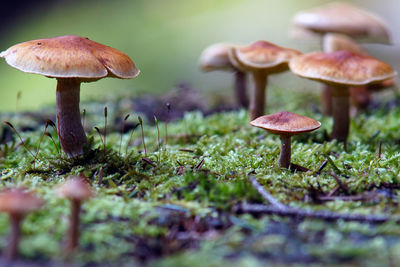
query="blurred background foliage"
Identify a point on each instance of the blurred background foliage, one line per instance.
(164, 38)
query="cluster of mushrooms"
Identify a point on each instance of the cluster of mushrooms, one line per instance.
(344, 68)
(18, 202)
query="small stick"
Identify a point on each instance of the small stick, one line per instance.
(105, 130)
(144, 143)
(323, 165)
(148, 161)
(320, 214)
(158, 138)
(340, 183)
(100, 180)
(199, 165)
(122, 132)
(267, 196)
(166, 124)
(380, 150)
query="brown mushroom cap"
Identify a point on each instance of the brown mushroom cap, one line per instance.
(75, 188)
(332, 42)
(18, 201)
(262, 55)
(286, 123)
(215, 57)
(341, 68)
(70, 56)
(343, 18)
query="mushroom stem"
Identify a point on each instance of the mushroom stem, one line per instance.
(340, 109)
(257, 98)
(73, 234)
(12, 248)
(69, 127)
(240, 89)
(326, 99)
(284, 156)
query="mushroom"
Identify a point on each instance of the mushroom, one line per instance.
(17, 203)
(261, 59)
(344, 19)
(71, 60)
(286, 124)
(215, 57)
(77, 191)
(341, 69)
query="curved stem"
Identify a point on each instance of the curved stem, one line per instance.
(284, 156)
(257, 98)
(341, 118)
(69, 127)
(240, 89)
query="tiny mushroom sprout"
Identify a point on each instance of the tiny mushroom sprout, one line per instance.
(261, 59)
(285, 124)
(77, 190)
(341, 69)
(215, 57)
(71, 60)
(17, 202)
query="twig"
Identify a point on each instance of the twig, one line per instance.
(267, 196)
(321, 214)
(380, 150)
(323, 165)
(340, 183)
(199, 165)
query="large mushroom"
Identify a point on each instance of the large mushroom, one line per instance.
(261, 59)
(286, 124)
(215, 57)
(71, 60)
(340, 70)
(345, 19)
(17, 203)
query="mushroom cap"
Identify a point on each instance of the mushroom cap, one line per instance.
(332, 42)
(215, 57)
(286, 123)
(18, 201)
(70, 56)
(343, 18)
(341, 68)
(262, 55)
(75, 188)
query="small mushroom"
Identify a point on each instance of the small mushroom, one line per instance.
(340, 70)
(77, 191)
(261, 59)
(17, 203)
(71, 60)
(215, 57)
(285, 124)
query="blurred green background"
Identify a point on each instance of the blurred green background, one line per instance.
(165, 39)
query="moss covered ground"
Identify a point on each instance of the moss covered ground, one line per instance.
(174, 204)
